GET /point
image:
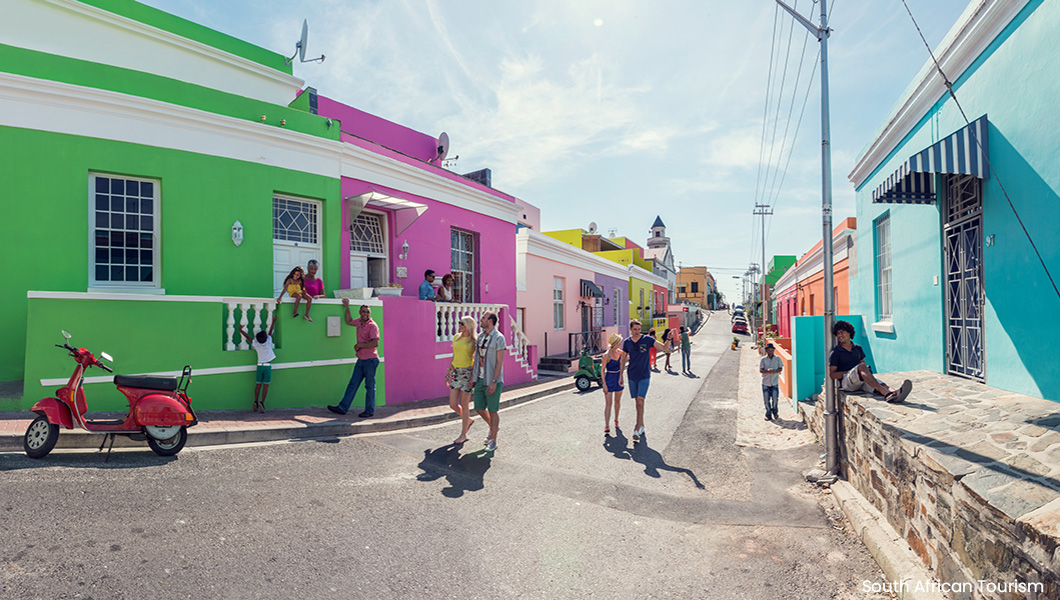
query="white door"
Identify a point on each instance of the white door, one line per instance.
(286, 257)
(358, 271)
(295, 237)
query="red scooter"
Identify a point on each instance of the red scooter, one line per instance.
(159, 409)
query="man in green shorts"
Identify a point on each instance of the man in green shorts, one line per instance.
(487, 376)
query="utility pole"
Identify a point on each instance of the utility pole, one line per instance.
(831, 430)
(763, 210)
(751, 271)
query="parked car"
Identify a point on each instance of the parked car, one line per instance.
(739, 326)
(738, 315)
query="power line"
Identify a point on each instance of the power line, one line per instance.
(949, 88)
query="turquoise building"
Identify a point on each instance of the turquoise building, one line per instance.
(957, 214)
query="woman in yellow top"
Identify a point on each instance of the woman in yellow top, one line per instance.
(459, 375)
(294, 286)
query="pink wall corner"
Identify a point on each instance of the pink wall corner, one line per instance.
(378, 130)
(530, 215)
(412, 372)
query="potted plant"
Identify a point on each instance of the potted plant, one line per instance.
(735, 342)
(390, 289)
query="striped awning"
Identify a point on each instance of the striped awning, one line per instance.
(961, 153)
(591, 290)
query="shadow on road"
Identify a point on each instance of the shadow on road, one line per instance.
(464, 472)
(645, 455)
(89, 459)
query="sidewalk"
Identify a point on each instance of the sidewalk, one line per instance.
(243, 426)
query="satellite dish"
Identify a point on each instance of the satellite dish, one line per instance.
(300, 46)
(443, 147)
(592, 227)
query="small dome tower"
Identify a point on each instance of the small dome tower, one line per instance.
(658, 237)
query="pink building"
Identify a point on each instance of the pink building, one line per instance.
(568, 298)
(403, 214)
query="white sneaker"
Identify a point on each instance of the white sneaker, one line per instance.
(491, 446)
(637, 434)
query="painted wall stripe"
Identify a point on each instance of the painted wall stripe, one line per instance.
(215, 371)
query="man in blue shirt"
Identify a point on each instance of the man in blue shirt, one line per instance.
(426, 289)
(636, 350)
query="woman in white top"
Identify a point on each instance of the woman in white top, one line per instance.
(445, 293)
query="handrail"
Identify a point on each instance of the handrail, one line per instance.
(448, 315)
(589, 340)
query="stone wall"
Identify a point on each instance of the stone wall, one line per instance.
(969, 475)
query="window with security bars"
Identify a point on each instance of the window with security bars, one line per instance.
(463, 264)
(557, 303)
(294, 221)
(883, 267)
(598, 312)
(124, 232)
(615, 305)
(366, 234)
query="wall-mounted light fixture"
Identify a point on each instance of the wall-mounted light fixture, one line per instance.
(404, 251)
(237, 233)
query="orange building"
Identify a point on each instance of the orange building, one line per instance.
(800, 291)
(696, 285)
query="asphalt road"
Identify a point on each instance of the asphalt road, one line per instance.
(558, 511)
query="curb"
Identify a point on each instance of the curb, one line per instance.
(901, 567)
(219, 436)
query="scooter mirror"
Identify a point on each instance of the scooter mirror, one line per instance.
(106, 357)
(66, 334)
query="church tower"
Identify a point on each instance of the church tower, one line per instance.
(658, 237)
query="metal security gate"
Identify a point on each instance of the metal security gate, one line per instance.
(963, 238)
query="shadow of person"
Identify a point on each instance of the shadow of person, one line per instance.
(653, 462)
(691, 375)
(464, 472)
(617, 445)
(785, 424)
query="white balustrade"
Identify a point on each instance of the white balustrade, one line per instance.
(262, 317)
(448, 315)
(520, 343)
(243, 322)
(231, 330)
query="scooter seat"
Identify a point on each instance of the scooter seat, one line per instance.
(148, 382)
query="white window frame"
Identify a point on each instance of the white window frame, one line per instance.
(884, 281)
(557, 303)
(616, 298)
(155, 285)
(318, 221)
(466, 281)
(384, 224)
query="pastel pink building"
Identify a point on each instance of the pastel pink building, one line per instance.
(403, 214)
(568, 298)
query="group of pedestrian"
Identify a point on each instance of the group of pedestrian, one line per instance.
(632, 360)
(477, 371)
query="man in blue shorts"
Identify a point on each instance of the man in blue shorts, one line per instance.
(636, 350)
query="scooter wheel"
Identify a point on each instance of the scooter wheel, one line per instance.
(40, 437)
(171, 446)
(583, 383)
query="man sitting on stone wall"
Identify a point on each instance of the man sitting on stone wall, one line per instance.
(846, 363)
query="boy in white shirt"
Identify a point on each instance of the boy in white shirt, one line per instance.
(262, 344)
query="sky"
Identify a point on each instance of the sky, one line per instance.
(618, 111)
